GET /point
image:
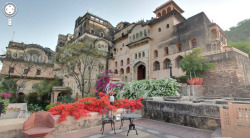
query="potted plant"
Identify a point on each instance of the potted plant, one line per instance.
(4, 102)
(195, 66)
(183, 79)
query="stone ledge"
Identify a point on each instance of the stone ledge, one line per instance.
(198, 115)
(12, 128)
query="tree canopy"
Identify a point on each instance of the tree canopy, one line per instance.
(194, 64)
(241, 32)
(78, 60)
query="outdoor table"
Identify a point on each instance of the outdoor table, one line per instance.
(131, 118)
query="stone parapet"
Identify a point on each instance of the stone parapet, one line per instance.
(198, 115)
(12, 128)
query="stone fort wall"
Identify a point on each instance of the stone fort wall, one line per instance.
(231, 77)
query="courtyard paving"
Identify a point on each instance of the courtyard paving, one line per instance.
(146, 129)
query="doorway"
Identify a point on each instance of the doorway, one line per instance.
(141, 72)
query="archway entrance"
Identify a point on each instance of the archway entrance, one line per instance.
(141, 72)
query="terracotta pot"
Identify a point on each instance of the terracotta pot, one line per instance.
(191, 82)
(200, 81)
(196, 81)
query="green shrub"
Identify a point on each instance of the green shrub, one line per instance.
(5, 104)
(34, 108)
(48, 106)
(32, 98)
(150, 88)
(183, 79)
(65, 99)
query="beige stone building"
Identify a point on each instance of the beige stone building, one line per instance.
(135, 51)
(27, 63)
(97, 33)
(145, 49)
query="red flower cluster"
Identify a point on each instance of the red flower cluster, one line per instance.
(84, 105)
(126, 103)
(111, 93)
(76, 109)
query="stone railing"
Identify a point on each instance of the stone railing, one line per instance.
(225, 50)
(235, 120)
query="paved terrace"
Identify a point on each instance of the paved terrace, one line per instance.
(146, 129)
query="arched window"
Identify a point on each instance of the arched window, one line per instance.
(156, 65)
(141, 35)
(159, 29)
(133, 37)
(137, 36)
(178, 61)
(135, 56)
(79, 34)
(193, 43)
(166, 63)
(139, 55)
(114, 51)
(41, 59)
(27, 57)
(121, 63)
(34, 58)
(155, 53)
(145, 32)
(128, 61)
(167, 25)
(143, 54)
(116, 72)
(121, 71)
(159, 14)
(213, 34)
(163, 12)
(92, 31)
(166, 51)
(128, 70)
(168, 9)
(178, 47)
(116, 64)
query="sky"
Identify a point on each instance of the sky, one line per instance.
(40, 21)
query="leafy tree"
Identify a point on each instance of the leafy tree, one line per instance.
(79, 60)
(42, 91)
(241, 32)
(241, 45)
(194, 64)
(45, 87)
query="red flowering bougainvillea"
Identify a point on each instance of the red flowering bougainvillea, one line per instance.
(75, 109)
(82, 107)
